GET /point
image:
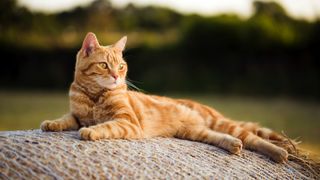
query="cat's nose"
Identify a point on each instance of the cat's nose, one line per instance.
(115, 76)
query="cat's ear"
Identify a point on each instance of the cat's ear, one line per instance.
(90, 43)
(121, 44)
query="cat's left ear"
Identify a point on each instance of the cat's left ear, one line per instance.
(121, 44)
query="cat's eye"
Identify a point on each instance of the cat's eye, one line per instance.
(103, 65)
(121, 66)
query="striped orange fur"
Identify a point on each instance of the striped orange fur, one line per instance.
(101, 106)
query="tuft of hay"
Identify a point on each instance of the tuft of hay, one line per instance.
(300, 156)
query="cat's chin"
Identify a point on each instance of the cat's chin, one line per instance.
(112, 86)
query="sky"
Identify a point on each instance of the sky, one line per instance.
(306, 9)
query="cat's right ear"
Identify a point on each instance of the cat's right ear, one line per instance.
(90, 43)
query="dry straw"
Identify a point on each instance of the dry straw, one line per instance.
(310, 164)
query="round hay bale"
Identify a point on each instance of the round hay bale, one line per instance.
(62, 155)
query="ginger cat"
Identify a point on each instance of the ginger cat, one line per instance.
(102, 107)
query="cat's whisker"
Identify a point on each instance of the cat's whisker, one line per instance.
(128, 79)
(131, 85)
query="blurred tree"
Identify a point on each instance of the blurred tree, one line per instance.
(269, 53)
(270, 9)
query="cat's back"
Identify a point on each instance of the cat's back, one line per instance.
(155, 101)
(202, 109)
(149, 100)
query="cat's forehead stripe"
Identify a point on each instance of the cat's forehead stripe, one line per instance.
(112, 57)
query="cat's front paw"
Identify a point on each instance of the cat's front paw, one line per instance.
(50, 126)
(88, 134)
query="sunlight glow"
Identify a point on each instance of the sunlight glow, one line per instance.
(307, 9)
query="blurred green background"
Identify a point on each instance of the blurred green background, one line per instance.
(263, 68)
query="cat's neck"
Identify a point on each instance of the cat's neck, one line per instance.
(94, 92)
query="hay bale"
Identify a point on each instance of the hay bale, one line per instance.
(62, 155)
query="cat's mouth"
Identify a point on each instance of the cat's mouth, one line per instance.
(106, 83)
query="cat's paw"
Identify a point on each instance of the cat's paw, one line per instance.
(280, 155)
(235, 146)
(50, 126)
(232, 144)
(88, 134)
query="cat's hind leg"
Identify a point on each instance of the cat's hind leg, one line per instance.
(250, 140)
(204, 134)
(254, 142)
(270, 135)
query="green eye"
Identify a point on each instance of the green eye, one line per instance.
(121, 66)
(103, 65)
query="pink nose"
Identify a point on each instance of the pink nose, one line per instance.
(115, 76)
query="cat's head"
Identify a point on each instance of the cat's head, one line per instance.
(101, 66)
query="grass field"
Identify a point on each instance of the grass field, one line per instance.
(26, 110)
